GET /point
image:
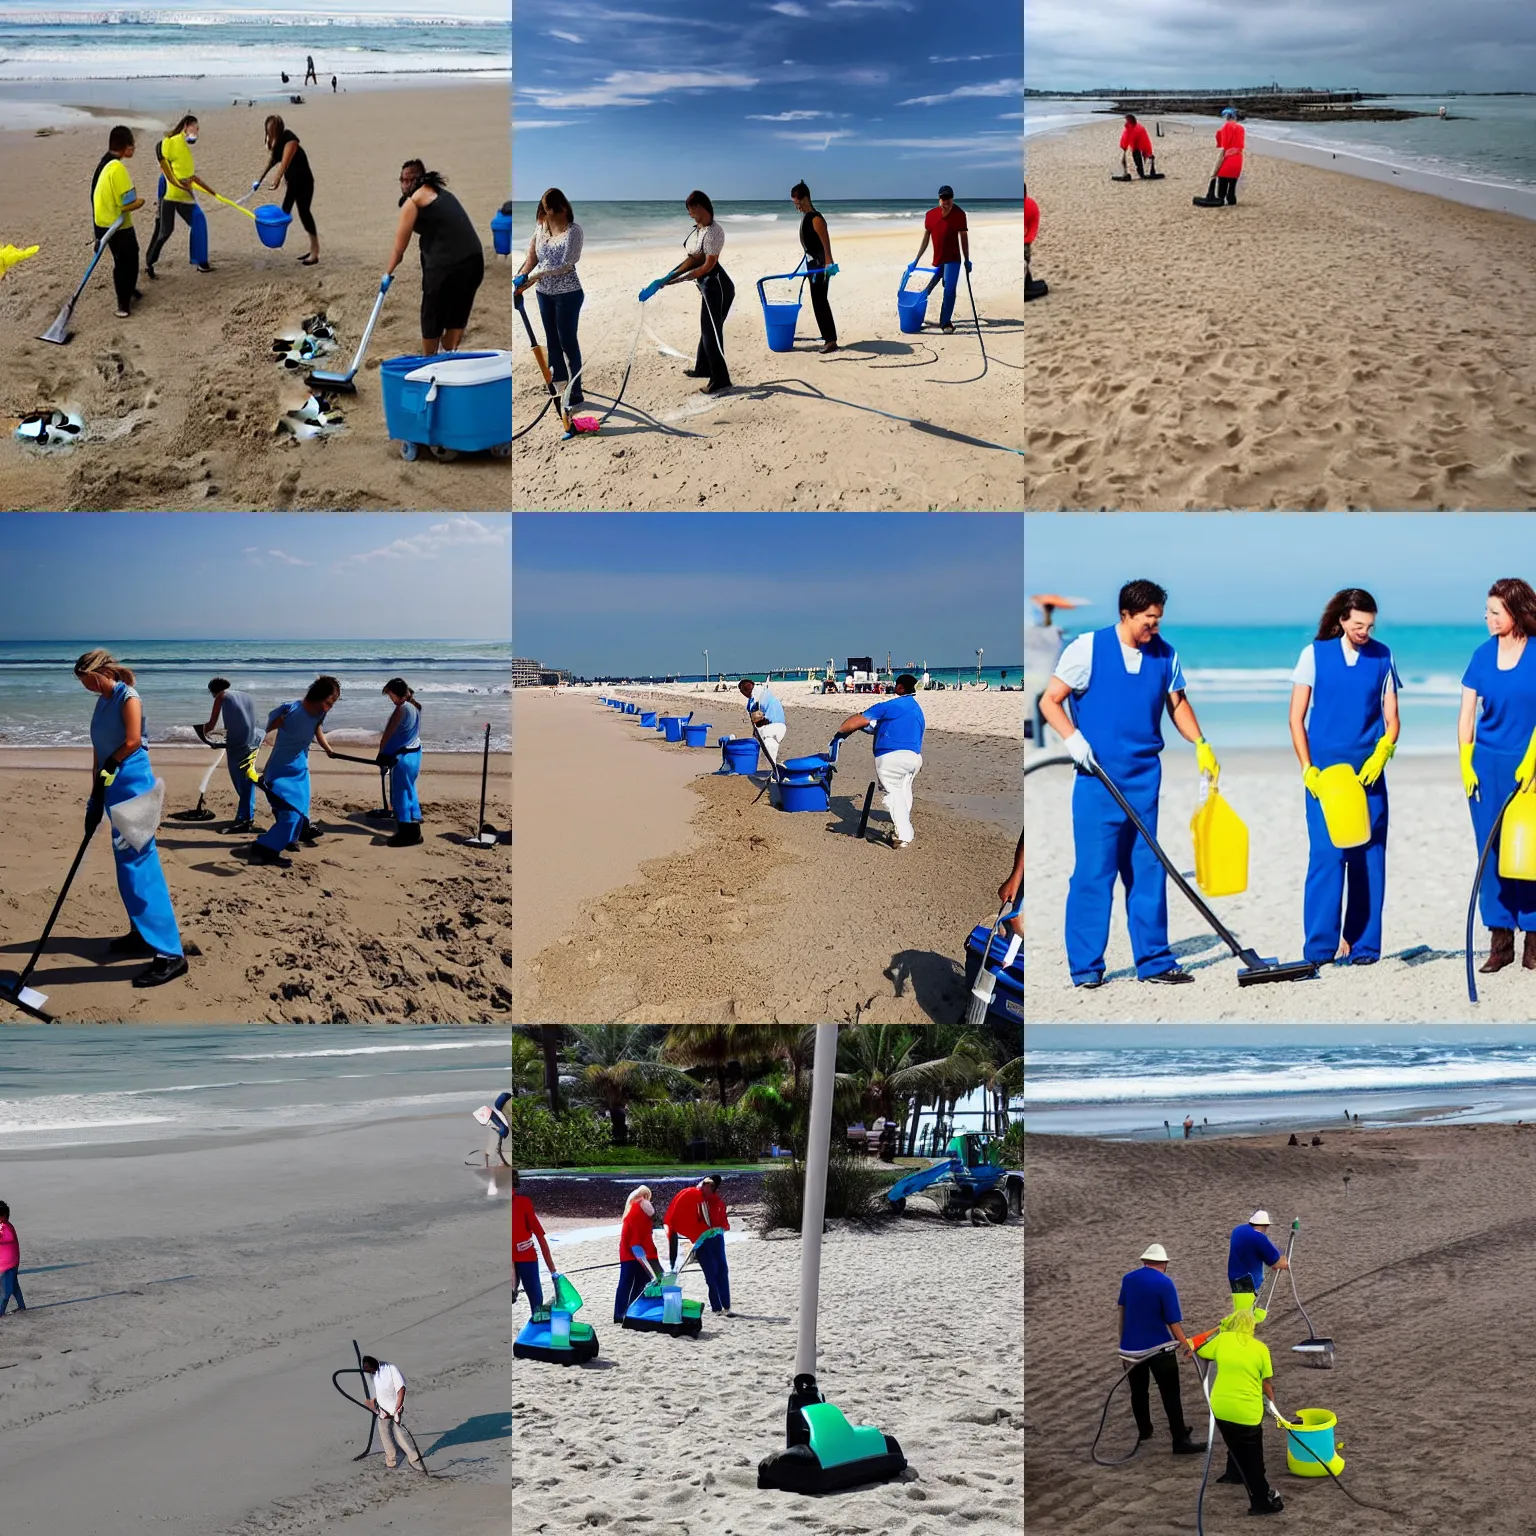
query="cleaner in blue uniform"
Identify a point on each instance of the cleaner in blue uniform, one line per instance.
(120, 771)
(1119, 680)
(1349, 684)
(400, 752)
(242, 741)
(286, 776)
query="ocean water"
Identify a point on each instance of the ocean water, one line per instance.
(1240, 679)
(461, 686)
(605, 225)
(1131, 1091)
(995, 677)
(64, 1085)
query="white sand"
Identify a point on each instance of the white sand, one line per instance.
(1421, 975)
(921, 1334)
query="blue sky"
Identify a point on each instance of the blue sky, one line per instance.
(647, 592)
(861, 98)
(235, 576)
(1278, 568)
(474, 10)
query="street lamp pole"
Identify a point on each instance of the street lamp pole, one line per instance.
(980, 652)
(706, 668)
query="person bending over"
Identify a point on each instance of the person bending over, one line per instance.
(1138, 141)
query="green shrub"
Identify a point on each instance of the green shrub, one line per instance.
(855, 1192)
(1013, 1145)
(729, 1134)
(541, 1140)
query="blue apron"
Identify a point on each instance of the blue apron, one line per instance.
(404, 745)
(287, 773)
(140, 880)
(1121, 715)
(1503, 729)
(1344, 726)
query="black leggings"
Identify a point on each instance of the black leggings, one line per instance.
(124, 246)
(716, 295)
(821, 305)
(1226, 190)
(166, 222)
(302, 193)
(1164, 1369)
(1245, 1456)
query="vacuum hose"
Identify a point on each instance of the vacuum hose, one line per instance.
(1477, 885)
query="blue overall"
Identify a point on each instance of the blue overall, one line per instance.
(287, 772)
(140, 880)
(404, 745)
(717, 1274)
(1121, 715)
(1344, 725)
(242, 739)
(528, 1274)
(1503, 732)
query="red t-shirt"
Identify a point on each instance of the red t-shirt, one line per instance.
(1031, 220)
(945, 232)
(687, 1214)
(1137, 138)
(1231, 137)
(716, 1208)
(524, 1227)
(636, 1233)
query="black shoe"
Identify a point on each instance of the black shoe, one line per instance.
(1273, 1507)
(163, 969)
(1089, 986)
(1172, 978)
(310, 838)
(241, 826)
(204, 268)
(1188, 1447)
(259, 853)
(1231, 1475)
(408, 835)
(717, 389)
(131, 943)
(149, 268)
(291, 848)
(1143, 1434)
(695, 373)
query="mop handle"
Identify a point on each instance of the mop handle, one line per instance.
(230, 203)
(58, 906)
(485, 764)
(1477, 882)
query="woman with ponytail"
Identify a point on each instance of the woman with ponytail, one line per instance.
(400, 753)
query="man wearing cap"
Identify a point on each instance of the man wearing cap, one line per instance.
(1248, 1251)
(946, 227)
(898, 724)
(766, 713)
(1151, 1329)
(1230, 139)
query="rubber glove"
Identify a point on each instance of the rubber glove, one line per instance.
(385, 281)
(1527, 768)
(1310, 779)
(518, 281)
(96, 806)
(1079, 751)
(1468, 772)
(967, 266)
(255, 186)
(832, 271)
(1205, 759)
(650, 290)
(1372, 768)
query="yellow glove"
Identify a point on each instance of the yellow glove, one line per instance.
(250, 769)
(1310, 779)
(1468, 773)
(1205, 759)
(1371, 769)
(1527, 769)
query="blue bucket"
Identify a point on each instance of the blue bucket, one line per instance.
(739, 753)
(672, 725)
(781, 320)
(648, 719)
(501, 233)
(272, 225)
(912, 307)
(1008, 995)
(696, 734)
(631, 709)
(803, 791)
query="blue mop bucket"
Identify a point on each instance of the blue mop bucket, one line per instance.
(805, 783)
(672, 727)
(739, 754)
(501, 233)
(912, 307)
(648, 719)
(272, 225)
(631, 709)
(781, 319)
(696, 735)
(1008, 995)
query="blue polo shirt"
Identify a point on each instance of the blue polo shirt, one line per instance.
(1247, 1254)
(898, 724)
(768, 703)
(1151, 1302)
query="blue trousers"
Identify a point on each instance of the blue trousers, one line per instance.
(528, 1274)
(1351, 879)
(717, 1275)
(245, 788)
(140, 880)
(1109, 847)
(633, 1278)
(560, 313)
(10, 1285)
(951, 288)
(402, 787)
(1503, 903)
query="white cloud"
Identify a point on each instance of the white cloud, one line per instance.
(258, 556)
(634, 88)
(284, 559)
(457, 533)
(959, 58)
(965, 92)
(789, 8)
(566, 37)
(868, 5)
(816, 140)
(1006, 115)
(539, 122)
(784, 117)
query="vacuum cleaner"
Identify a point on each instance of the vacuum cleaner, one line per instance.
(822, 1452)
(662, 1308)
(553, 1335)
(1255, 969)
(358, 1371)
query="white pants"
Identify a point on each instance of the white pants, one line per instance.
(895, 771)
(394, 1438)
(772, 735)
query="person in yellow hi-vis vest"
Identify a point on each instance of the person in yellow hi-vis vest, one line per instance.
(1244, 1378)
(177, 200)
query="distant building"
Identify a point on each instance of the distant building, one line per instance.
(534, 674)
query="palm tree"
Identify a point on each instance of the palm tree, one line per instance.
(945, 1080)
(715, 1046)
(549, 1038)
(527, 1065)
(619, 1067)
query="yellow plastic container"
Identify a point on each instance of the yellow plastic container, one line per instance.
(1221, 847)
(1517, 838)
(1315, 1429)
(1342, 797)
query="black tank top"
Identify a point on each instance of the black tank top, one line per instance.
(447, 236)
(810, 241)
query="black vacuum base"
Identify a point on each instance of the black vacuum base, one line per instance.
(798, 1470)
(1292, 970)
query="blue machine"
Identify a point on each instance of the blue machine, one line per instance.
(967, 1181)
(553, 1335)
(1008, 995)
(647, 1313)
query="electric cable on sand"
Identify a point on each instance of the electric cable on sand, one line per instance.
(1477, 885)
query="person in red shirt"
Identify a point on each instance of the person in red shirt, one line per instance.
(637, 1251)
(1138, 141)
(526, 1228)
(947, 228)
(1230, 138)
(711, 1252)
(1031, 229)
(687, 1216)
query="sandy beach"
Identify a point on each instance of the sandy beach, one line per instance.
(667, 1433)
(774, 443)
(1338, 343)
(720, 909)
(179, 1378)
(181, 400)
(1421, 976)
(353, 932)
(1418, 1259)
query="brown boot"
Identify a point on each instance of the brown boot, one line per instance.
(1528, 953)
(1501, 952)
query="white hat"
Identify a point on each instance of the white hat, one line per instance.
(1157, 1254)
(1259, 1219)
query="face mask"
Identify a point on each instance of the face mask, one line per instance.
(191, 138)
(647, 1207)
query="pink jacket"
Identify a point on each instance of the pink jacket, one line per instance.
(10, 1247)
